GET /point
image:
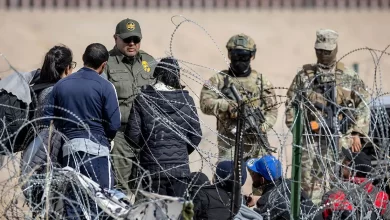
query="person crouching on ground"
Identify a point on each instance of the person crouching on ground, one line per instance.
(164, 125)
(274, 202)
(214, 201)
(345, 201)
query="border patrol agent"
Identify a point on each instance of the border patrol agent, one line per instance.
(128, 68)
(350, 93)
(256, 90)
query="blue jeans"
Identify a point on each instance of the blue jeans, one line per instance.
(97, 169)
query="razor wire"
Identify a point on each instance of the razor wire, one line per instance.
(39, 191)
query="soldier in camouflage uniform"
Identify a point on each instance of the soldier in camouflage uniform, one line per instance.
(128, 68)
(318, 160)
(254, 87)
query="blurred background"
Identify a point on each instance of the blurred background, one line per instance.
(284, 31)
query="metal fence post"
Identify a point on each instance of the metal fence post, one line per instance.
(296, 161)
(238, 154)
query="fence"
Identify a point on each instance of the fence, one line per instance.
(193, 4)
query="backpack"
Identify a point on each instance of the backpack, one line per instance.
(15, 129)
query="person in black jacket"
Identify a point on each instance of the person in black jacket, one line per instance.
(214, 201)
(274, 202)
(164, 125)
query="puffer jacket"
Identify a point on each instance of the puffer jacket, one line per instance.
(274, 203)
(211, 202)
(164, 125)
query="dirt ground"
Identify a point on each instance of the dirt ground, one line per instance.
(285, 41)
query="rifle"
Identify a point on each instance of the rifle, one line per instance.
(250, 122)
(331, 111)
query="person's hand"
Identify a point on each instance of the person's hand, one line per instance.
(251, 200)
(232, 109)
(356, 144)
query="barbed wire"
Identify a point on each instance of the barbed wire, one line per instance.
(37, 192)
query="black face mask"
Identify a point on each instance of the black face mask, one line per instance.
(240, 68)
(326, 57)
(240, 62)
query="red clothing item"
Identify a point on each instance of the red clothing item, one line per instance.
(341, 201)
(337, 201)
(379, 197)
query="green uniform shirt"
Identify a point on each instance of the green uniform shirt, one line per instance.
(129, 74)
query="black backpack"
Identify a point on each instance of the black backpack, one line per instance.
(15, 129)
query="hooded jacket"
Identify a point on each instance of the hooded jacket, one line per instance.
(275, 202)
(164, 125)
(210, 201)
(214, 201)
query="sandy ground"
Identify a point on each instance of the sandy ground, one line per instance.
(285, 41)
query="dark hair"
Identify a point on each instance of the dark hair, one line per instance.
(95, 54)
(168, 72)
(56, 61)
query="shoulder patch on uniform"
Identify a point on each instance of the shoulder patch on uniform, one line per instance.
(146, 66)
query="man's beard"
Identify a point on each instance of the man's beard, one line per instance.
(256, 184)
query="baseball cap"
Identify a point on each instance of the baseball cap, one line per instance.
(268, 166)
(326, 39)
(360, 161)
(128, 28)
(241, 41)
(226, 168)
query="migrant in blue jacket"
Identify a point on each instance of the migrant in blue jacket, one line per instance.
(85, 97)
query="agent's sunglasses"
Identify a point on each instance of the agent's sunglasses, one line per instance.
(133, 39)
(240, 55)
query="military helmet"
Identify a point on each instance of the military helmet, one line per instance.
(241, 41)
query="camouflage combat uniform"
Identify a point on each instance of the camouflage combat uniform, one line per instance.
(351, 93)
(128, 75)
(256, 90)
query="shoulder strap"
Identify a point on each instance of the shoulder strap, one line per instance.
(261, 85)
(225, 80)
(259, 78)
(309, 69)
(41, 86)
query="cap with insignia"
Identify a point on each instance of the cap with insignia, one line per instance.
(326, 39)
(241, 41)
(128, 28)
